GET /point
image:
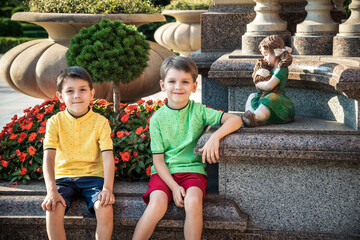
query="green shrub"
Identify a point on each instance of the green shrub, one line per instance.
(36, 34)
(110, 51)
(93, 6)
(10, 28)
(189, 5)
(7, 43)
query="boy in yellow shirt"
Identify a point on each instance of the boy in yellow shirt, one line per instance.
(78, 157)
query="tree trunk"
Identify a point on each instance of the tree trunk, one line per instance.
(116, 98)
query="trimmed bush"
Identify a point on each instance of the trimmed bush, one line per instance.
(110, 51)
(7, 43)
(189, 5)
(93, 6)
(10, 28)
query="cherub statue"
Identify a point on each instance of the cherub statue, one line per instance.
(270, 104)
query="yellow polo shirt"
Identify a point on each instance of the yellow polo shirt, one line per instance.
(78, 143)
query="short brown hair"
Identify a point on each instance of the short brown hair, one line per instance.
(73, 72)
(179, 63)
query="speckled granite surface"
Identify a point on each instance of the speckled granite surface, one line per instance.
(300, 177)
(346, 46)
(314, 44)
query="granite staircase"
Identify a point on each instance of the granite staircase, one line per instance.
(21, 215)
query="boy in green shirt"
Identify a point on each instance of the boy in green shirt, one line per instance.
(175, 130)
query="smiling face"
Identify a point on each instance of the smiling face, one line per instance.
(76, 94)
(269, 57)
(178, 86)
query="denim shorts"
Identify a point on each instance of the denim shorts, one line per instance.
(86, 187)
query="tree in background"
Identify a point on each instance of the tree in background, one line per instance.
(112, 52)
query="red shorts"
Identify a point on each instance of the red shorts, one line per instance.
(185, 180)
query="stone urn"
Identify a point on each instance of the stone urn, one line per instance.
(184, 35)
(32, 67)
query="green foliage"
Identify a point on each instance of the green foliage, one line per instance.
(110, 51)
(7, 43)
(10, 28)
(160, 3)
(189, 5)
(93, 6)
(346, 7)
(21, 140)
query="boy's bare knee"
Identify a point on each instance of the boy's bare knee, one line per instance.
(193, 201)
(158, 202)
(103, 211)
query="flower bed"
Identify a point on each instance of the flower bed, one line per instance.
(21, 148)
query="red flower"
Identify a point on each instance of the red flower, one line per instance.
(23, 172)
(42, 130)
(120, 134)
(135, 154)
(149, 119)
(19, 140)
(112, 135)
(123, 105)
(23, 135)
(27, 110)
(4, 163)
(32, 136)
(22, 157)
(49, 109)
(149, 101)
(14, 117)
(40, 117)
(44, 123)
(13, 136)
(125, 156)
(131, 108)
(102, 102)
(141, 101)
(31, 151)
(62, 106)
(149, 108)
(38, 169)
(116, 159)
(143, 136)
(127, 133)
(124, 118)
(139, 130)
(18, 153)
(148, 171)
(28, 125)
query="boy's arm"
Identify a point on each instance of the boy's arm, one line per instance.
(210, 151)
(53, 196)
(106, 196)
(164, 173)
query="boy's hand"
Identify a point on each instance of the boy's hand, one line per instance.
(50, 201)
(178, 196)
(210, 151)
(106, 197)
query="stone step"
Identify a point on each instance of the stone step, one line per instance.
(23, 218)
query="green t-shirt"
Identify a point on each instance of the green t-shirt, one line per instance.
(175, 133)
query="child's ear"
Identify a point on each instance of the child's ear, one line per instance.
(59, 96)
(194, 87)
(162, 85)
(92, 92)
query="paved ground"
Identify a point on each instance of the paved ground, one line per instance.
(12, 102)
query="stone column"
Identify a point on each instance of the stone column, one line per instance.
(315, 34)
(347, 41)
(266, 22)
